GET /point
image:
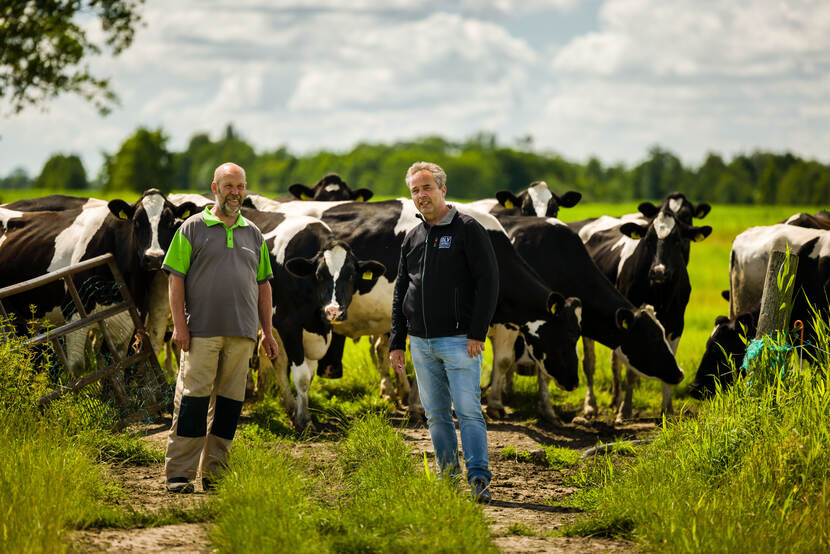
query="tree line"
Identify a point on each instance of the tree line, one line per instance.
(477, 167)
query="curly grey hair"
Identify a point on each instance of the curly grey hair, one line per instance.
(437, 173)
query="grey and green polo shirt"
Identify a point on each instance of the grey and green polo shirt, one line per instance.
(222, 267)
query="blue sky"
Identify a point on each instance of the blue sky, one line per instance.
(608, 78)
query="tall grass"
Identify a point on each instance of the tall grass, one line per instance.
(51, 478)
(749, 473)
(372, 498)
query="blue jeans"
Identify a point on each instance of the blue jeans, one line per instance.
(448, 377)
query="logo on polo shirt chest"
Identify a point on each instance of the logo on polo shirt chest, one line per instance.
(445, 241)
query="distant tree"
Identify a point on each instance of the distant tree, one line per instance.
(45, 48)
(62, 172)
(661, 174)
(17, 179)
(142, 162)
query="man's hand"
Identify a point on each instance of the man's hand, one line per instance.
(181, 336)
(398, 360)
(474, 347)
(269, 344)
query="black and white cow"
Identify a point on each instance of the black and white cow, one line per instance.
(726, 347)
(37, 242)
(375, 230)
(819, 220)
(680, 205)
(724, 354)
(646, 260)
(330, 188)
(536, 200)
(558, 255)
(315, 277)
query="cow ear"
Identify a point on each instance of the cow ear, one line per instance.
(121, 209)
(698, 234)
(362, 195)
(701, 210)
(507, 199)
(301, 191)
(570, 199)
(555, 303)
(633, 230)
(300, 267)
(648, 209)
(725, 295)
(185, 210)
(745, 322)
(720, 320)
(368, 273)
(624, 318)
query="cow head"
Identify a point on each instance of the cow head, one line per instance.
(154, 221)
(536, 200)
(724, 353)
(644, 345)
(338, 276)
(552, 341)
(666, 242)
(330, 188)
(679, 205)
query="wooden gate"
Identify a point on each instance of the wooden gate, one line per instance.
(143, 352)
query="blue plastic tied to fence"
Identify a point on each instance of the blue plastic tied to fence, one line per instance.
(777, 354)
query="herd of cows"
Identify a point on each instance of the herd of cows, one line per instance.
(621, 281)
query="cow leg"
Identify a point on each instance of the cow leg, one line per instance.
(380, 355)
(616, 379)
(302, 375)
(545, 406)
(624, 410)
(158, 315)
(502, 340)
(401, 388)
(666, 407)
(589, 365)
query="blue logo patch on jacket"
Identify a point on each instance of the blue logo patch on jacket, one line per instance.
(445, 241)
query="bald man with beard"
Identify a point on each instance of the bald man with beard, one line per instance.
(219, 270)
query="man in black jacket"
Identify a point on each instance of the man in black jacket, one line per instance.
(445, 297)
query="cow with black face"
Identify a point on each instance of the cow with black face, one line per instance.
(330, 188)
(646, 260)
(724, 354)
(38, 242)
(537, 200)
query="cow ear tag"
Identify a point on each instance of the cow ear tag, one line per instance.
(367, 275)
(625, 324)
(122, 215)
(186, 214)
(304, 196)
(553, 309)
(699, 237)
(508, 204)
(635, 236)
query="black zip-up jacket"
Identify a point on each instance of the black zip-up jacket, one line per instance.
(448, 281)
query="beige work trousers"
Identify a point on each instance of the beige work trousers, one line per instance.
(211, 375)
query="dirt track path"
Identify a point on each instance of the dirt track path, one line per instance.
(521, 494)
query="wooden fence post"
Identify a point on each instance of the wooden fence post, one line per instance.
(772, 317)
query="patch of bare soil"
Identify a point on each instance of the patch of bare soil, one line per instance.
(522, 515)
(146, 491)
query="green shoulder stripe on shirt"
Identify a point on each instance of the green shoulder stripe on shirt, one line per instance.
(264, 271)
(178, 255)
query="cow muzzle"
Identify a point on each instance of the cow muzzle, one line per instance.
(658, 275)
(334, 313)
